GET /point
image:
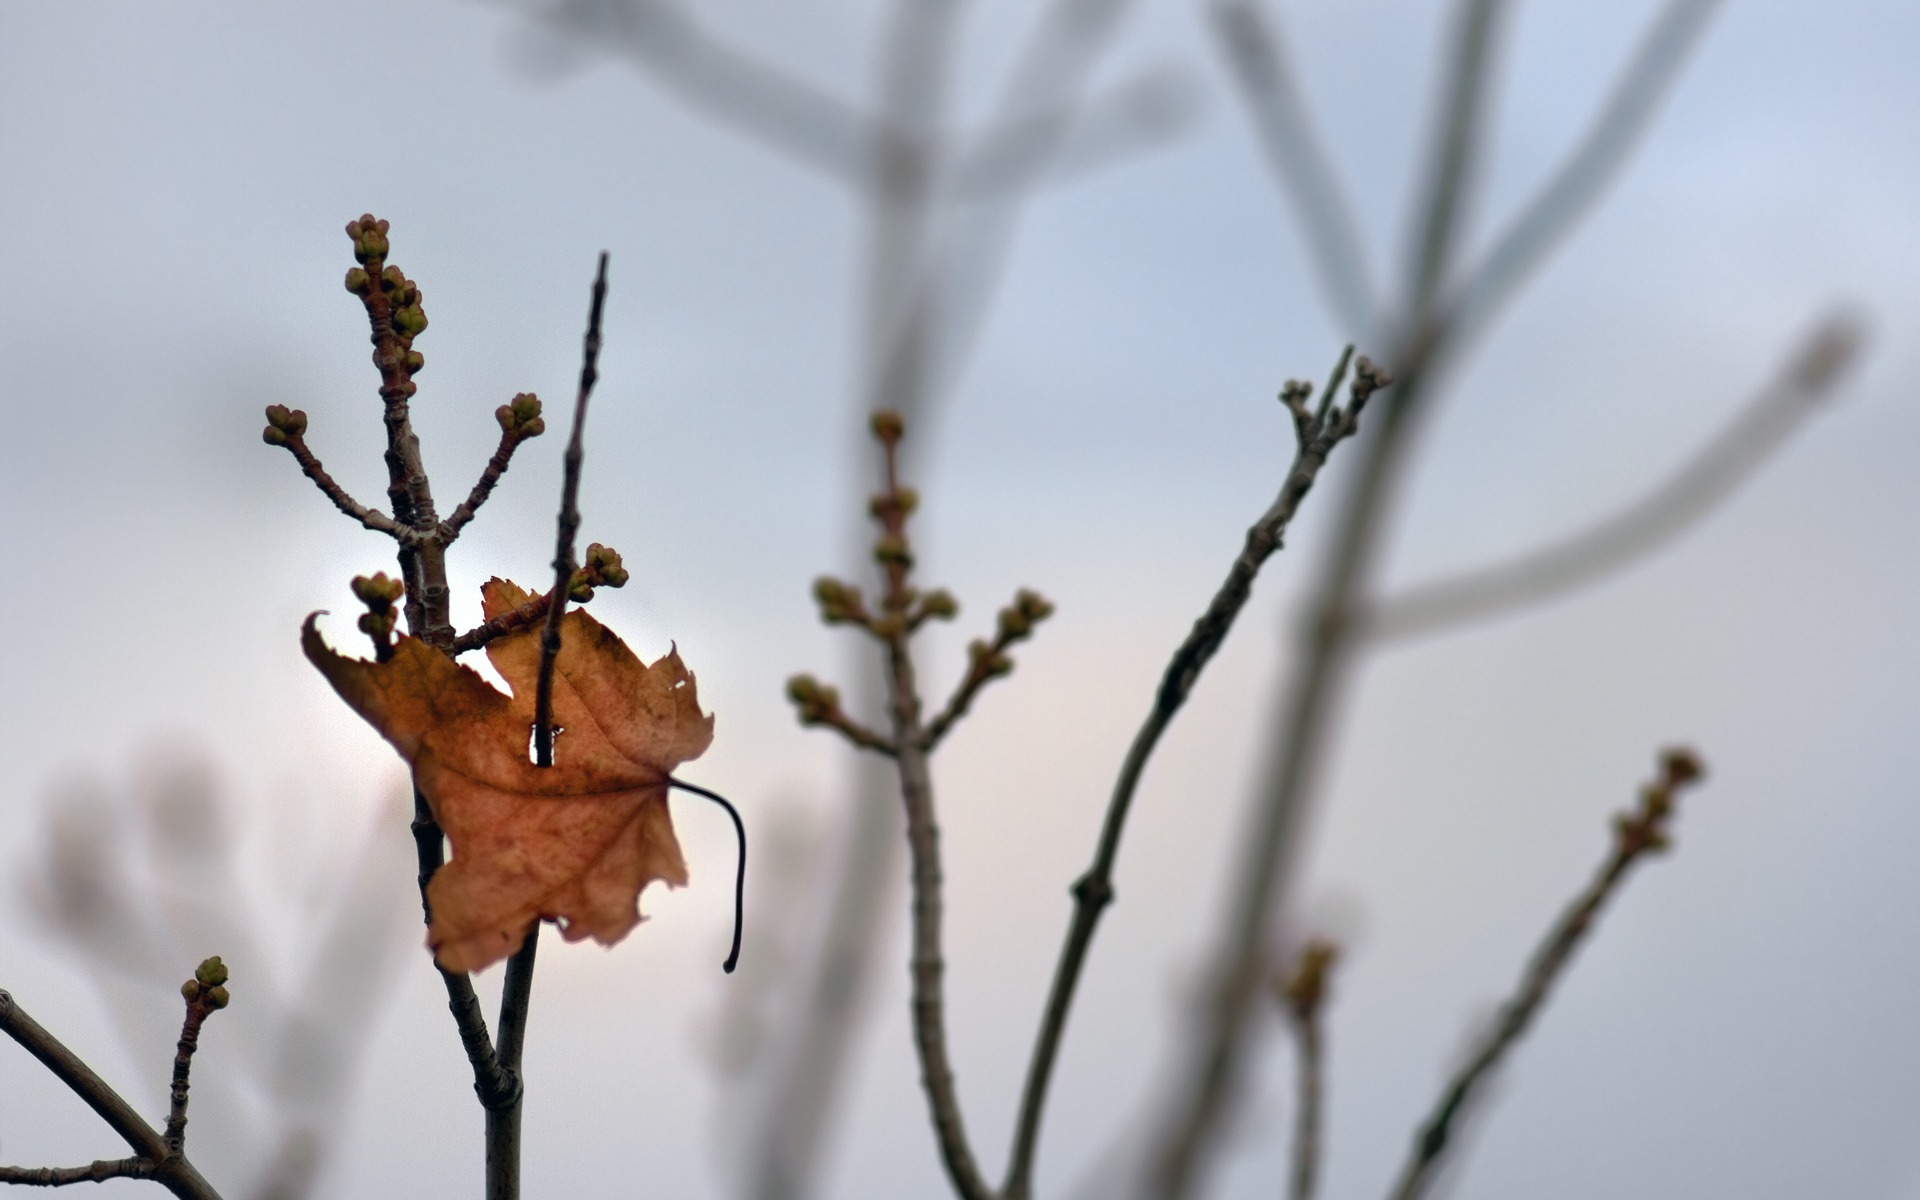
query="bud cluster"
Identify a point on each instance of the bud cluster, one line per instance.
(602, 569)
(379, 594)
(520, 419)
(208, 987)
(284, 425)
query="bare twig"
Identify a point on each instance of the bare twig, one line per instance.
(503, 1120)
(163, 1164)
(1302, 993)
(532, 612)
(1429, 336)
(1255, 53)
(564, 564)
(95, 1172)
(1594, 162)
(1678, 503)
(1319, 432)
(1638, 833)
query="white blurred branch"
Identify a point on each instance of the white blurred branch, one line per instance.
(1646, 524)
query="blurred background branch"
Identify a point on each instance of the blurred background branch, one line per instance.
(135, 880)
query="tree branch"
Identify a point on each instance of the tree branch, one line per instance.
(95, 1172)
(754, 96)
(1319, 431)
(1456, 147)
(1636, 834)
(1250, 41)
(287, 427)
(988, 661)
(1637, 94)
(170, 1169)
(1648, 523)
(519, 421)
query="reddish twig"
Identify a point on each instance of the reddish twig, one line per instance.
(519, 422)
(205, 994)
(287, 427)
(1637, 834)
(527, 615)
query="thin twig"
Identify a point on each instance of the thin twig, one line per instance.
(171, 1170)
(95, 1172)
(1636, 834)
(1325, 659)
(988, 661)
(928, 962)
(495, 1088)
(525, 616)
(819, 705)
(1636, 97)
(1650, 522)
(1302, 995)
(176, 1132)
(1251, 42)
(1456, 146)
(569, 525)
(371, 518)
(510, 438)
(1093, 891)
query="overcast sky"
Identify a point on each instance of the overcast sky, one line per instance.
(177, 180)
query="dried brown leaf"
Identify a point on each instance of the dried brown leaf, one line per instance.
(574, 843)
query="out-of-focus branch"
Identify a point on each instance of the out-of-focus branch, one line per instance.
(1637, 834)
(1071, 141)
(746, 92)
(1302, 992)
(1455, 157)
(1428, 336)
(1648, 523)
(1252, 45)
(1318, 431)
(1636, 97)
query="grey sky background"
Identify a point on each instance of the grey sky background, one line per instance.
(177, 179)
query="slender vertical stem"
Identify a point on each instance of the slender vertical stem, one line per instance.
(503, 1120)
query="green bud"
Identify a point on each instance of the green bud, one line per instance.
(190, 990)
(940, 604)
(273, 437)
(893, 550)
(217, 998)
(887, 425)
(1032, 605)
(212, 972)
(414, 362)
(358, 281)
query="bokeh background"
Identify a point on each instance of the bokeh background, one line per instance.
(176, 181)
